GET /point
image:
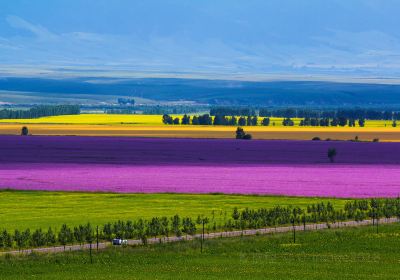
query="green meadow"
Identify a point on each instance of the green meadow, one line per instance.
(40, 209)
(352, 253)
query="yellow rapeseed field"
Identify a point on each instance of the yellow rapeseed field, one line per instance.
(92, 119)
(152, 126)
(107, 119)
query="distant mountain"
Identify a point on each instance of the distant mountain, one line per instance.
(214, 92)
(357, 38)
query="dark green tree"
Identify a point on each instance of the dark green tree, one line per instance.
(89, 237)
(185, 120)
(332, 154)
(38, 238)
(79, 234)
(24, 131)
(202, 221)
(154, 227)
(164, 223)
(195, 120)
(50, 237)
(65, 235)
(167, 119)
(6, 240)
(242, 121)
(22, 238)
(240, 133)
(175, 224)
(265, 122)
(189, 227)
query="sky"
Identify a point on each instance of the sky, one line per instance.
(212, 38)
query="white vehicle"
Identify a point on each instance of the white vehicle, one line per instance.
(119, 241)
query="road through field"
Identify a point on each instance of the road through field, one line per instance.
(225, 234)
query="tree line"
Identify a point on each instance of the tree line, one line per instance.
(40, 111)
(207, 119)
(340, 121)
(160, 227)
(350, 113)
(356, 113)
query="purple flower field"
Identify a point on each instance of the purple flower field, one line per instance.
(113, 164)
(293, 180)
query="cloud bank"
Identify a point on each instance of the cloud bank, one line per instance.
(215, 38)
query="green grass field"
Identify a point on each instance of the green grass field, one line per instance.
(352, 253)
(33, 209)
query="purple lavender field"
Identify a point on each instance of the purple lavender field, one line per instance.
(118, 164)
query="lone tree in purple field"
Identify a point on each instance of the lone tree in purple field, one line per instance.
(331, 154)
(24, 131)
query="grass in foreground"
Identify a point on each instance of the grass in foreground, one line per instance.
(34, 209)
(353, 253)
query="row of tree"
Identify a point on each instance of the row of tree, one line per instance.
(356, 113)
(356, 210)
(140, 229)
(341, 121)
(206, 119)
(40, 111)
(351, 113)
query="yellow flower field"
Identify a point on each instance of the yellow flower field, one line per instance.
(139, 120)
(92, 119)
(152, 126)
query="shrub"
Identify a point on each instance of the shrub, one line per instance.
(316, 139)
(240, 133)
(24, 131)
(331, 154)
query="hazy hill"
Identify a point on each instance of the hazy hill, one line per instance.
(207, 91)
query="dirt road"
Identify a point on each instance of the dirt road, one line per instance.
(249, 232)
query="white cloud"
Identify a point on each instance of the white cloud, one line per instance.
(339, 51)
(38, 30)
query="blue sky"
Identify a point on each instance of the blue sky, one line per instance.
(215, 38)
